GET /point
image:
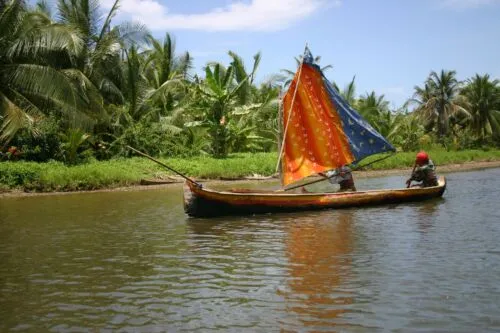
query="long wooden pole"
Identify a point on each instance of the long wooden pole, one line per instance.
(323, 179)
(280, 135)
(302, 185)
(164, 165)
(291, 109)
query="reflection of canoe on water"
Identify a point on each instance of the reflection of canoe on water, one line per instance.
(203, 202)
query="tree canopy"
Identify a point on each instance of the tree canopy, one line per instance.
(74, 86)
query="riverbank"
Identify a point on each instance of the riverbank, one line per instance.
(27, 177)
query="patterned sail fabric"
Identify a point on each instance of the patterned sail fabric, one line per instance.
(324, 132)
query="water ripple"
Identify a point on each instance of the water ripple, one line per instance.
(138, 264)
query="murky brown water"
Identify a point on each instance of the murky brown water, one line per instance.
(132, 261)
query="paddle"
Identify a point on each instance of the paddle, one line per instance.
(164, 165)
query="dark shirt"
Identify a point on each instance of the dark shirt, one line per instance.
(343, 177)
(426, 174)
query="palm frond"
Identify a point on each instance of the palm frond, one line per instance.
(11, 19)
(107, 22)
(43, 6)
(184, 64)
(166, 87)
(240, 74)
(132, 33)
(211, 80)
(47, 41)
(256, 62)
(15, 117)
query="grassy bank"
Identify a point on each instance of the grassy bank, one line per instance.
(54, 176)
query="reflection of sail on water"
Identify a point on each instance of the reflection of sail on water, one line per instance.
(318, 254)
(322, 132)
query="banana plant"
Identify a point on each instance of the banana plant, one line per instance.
(407, 131)
(72, 142)
(218, 95)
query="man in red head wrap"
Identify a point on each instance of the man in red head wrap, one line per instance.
(424, 171)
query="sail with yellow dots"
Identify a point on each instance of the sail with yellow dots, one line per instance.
(321, 130)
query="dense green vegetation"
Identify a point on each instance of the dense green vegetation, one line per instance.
(57, 176)
(76, 89)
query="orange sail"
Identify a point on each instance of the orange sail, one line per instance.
(322, 131)
(315, 141)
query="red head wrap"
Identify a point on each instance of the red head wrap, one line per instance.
(422, 158)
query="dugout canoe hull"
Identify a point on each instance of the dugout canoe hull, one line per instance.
(204, 202)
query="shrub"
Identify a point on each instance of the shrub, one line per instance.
(41, 146)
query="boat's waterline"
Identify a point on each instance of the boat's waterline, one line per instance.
(204, 202)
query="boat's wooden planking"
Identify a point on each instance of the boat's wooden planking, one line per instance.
(204, 202)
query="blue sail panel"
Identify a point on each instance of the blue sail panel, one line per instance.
(362, 137)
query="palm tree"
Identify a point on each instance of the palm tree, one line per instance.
(99, 58)
(154, 86)
(166, 72)
(483, 101)
(439, 99)
(423, 98)
(349, 91)
(240, 73)
(375, 109)
(147, 97)
(33, 75)
(135, 86)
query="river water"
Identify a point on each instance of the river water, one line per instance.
(133, 262)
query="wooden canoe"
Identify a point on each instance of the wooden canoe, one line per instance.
(203, 202)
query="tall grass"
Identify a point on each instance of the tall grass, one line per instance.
(55, 176)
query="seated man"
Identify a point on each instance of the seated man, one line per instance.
(424, 172)
(341, 176)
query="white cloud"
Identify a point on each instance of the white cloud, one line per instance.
(463, 4)
(258, 15)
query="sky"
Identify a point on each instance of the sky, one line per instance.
(389, 45)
